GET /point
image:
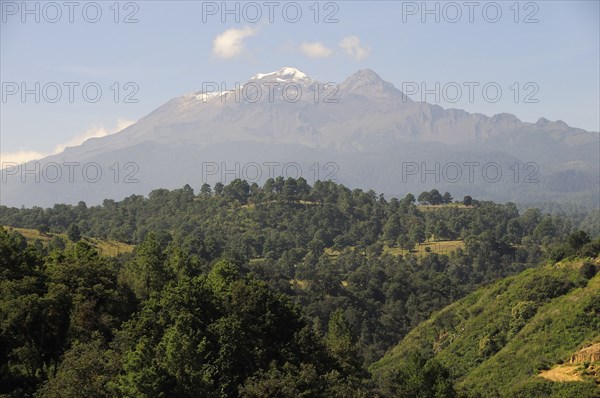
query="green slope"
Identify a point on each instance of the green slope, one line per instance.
(497, 340)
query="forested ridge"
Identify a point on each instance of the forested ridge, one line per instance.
(239, 290)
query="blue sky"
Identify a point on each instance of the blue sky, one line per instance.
(174, 47)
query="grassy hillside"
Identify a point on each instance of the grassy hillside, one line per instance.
(109, 248)
(420, 250)
(498, 340)
(434, 246)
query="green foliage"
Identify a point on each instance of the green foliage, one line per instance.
(520, 315)
(497, 339)
(222, 275)
(588, 270)
(340, 341)
(73, 233)
(205, 190)
(544, 388)
(434, 198)
(238, 191)
(591, 249)
(146, 272)
(279, 290)
(87, 370)
(50, 302)
(289, 381)
(43, 228)
(578, 239)
(418, 378)
(205, 341)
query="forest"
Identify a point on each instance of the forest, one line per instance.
(283, 290)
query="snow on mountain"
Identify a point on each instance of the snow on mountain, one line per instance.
(260, 81)
(365, 124)
(284, 74)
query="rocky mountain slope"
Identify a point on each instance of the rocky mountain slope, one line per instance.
(363, 131)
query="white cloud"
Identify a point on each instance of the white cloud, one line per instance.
(93, 132)
(20, 156)
(230, 43)
(351, 46)
(315, 50)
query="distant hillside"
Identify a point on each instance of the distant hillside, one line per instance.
(498, 340)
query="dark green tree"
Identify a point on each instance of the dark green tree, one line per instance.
(205, 190)
(467, 200)
(147, 272)
(73, 233)
(447, 198)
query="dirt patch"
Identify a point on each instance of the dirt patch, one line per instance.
(562, 373)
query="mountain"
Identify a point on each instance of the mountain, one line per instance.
(510, 338)
(362, 132)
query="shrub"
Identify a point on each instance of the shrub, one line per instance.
(588, 270)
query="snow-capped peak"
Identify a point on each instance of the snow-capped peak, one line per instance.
(286, 73)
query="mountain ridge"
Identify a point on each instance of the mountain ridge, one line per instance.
(349, 123)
